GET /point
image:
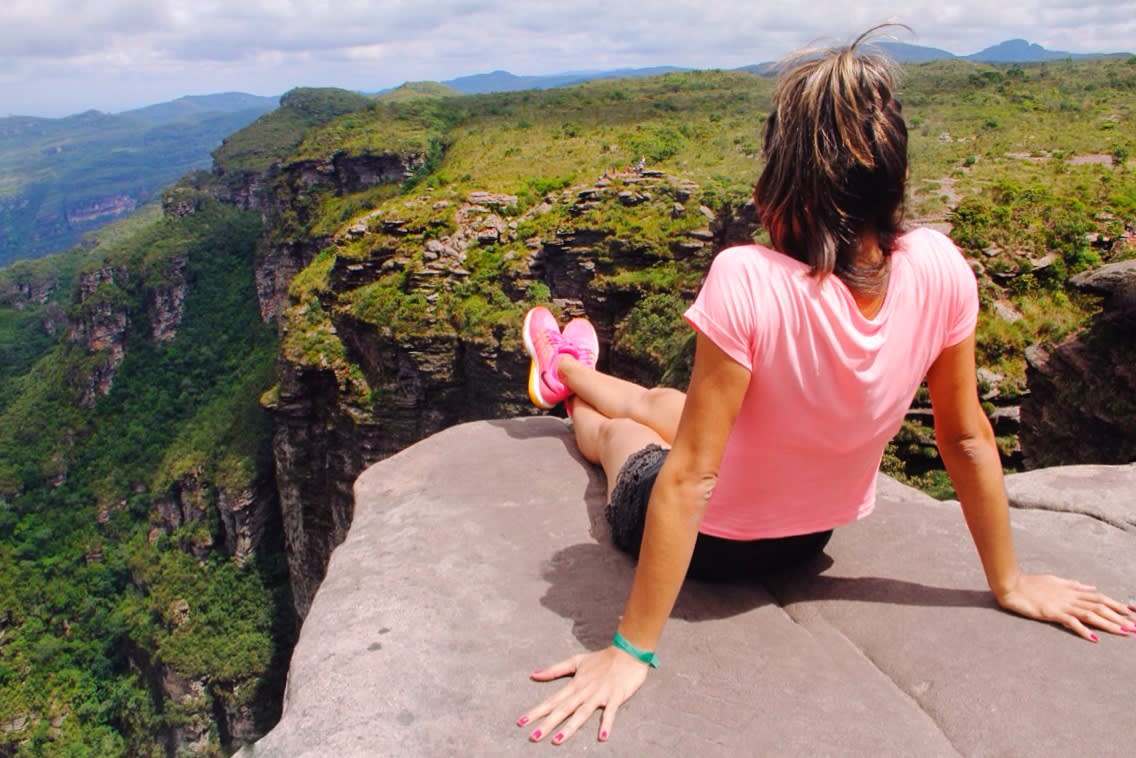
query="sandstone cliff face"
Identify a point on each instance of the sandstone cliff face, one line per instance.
(1082, 403)
(281, 195)
(97, 212)
(244, 513)
(101, 317)
(99, 327)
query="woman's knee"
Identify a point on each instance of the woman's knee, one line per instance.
(657, 405)
(613, 430)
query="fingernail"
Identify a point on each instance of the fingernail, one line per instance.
(1093, 637)
(603, 735)
(535, 735)
(535, 672)
(522, 720)
(558, 738)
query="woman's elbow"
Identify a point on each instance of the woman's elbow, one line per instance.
(972, 441)
(693, 490)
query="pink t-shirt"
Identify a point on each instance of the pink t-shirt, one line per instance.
(829, 388)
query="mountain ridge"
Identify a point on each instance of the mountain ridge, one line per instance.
(1015, 50)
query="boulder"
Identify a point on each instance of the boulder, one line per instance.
(1106, 493)
(481, 553)
(1081, 406)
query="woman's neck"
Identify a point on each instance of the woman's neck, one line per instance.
(866, 272)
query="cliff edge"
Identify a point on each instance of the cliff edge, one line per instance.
(481, 553)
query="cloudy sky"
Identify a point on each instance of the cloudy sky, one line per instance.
(65, 56)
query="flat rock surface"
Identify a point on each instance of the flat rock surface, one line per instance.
(481, 553)
(1107, 493)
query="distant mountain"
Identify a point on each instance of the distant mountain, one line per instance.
(503, 81)
(417, 91)
(903, 52)
(1023, 51)
(1010, 51)
(61, 177)
(196, 105)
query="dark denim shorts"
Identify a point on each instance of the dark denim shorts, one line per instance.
(714, 558)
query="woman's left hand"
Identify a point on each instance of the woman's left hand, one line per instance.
(1072, 604)
(604, 679)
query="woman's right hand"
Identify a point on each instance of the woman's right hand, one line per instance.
(1069, 603)
(605, 679)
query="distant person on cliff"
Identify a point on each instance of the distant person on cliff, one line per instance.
(807, 357)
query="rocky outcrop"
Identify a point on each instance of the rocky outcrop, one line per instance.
(98, 325)
(165, 305)
(1082, 402)
(281, 196)
(349, 173)
(276, 266)
(99, 211)
(481, 553)
(28, 290)
(101, 317)
(247, 190)
(243, 514)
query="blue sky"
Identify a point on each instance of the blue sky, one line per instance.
(64, 56)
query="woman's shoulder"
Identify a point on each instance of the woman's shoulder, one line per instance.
(758, 259)
(934, 266)
(927, 248)
(926, 240)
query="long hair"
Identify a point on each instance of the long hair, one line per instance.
(835, 161)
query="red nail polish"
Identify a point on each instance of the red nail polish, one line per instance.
(603, 735)
(558, 738)
(1093, 637)
(536, 671)
(535, 735)
(522, 720)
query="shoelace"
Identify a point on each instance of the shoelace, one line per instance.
(585, 355)
(555, 339)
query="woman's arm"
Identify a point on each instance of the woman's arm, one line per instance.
(684, 485)
(966, 443)
(607, 678)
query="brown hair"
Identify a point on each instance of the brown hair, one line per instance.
(835, 161)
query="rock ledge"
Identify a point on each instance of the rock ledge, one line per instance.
(480, 553)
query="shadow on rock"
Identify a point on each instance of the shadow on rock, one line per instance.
(589, 582)
(798, 586)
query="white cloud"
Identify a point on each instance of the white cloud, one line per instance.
(111, 54)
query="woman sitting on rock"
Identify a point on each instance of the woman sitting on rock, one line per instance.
(807, 358)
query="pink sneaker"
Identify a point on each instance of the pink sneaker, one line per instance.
(582, 341)
(543, 342)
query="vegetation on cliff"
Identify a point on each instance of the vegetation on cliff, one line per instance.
(121, 632)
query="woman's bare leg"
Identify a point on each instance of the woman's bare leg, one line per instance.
(658, 408)
(609, 441)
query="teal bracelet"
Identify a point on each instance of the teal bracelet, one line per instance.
(645, 656)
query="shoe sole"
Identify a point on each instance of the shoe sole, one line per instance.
(534, 370)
